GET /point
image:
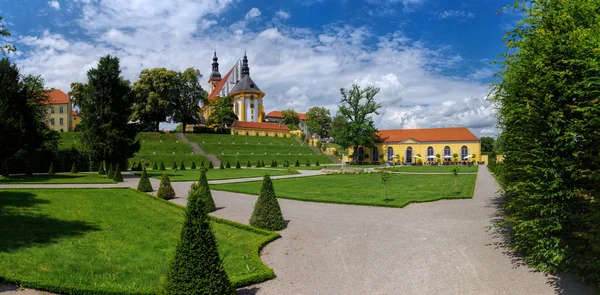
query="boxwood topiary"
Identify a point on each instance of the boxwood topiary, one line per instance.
(144, 185)
(210, 165)
(196, 267)
(297, 164)
(237, 165)
(249, 165)
(154, 166)
(221, 166)
(262, 163)
(165, 190)
(139, 166)
(182, 166)
(118, 177)
(110, 174)
(162, 166)
(267, 213)
(193, 165)
(101, 169)
(174, 165)
(317, 163)
(202, 190)
(307, 163)
(51, 169)
(73, 168)
(228, 165)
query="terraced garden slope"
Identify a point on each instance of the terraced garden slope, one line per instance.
(257, 148)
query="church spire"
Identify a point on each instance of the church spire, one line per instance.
(215, 75)
(245, 68)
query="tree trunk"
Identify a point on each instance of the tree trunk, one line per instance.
(455, 176)
(183, 124)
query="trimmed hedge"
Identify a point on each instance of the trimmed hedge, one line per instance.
(210, 165)
(144, 184)
(118, 177)
(110, 174)
(165, 190)
(74, 168)
(162, 166)
(182, 166)
(267, 213)
(201, 190)
(101, 168)
(237, 165)
(228, 165)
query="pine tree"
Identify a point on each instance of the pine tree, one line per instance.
(144, 185)
(297, 163)
(165, 190)
(196, 267)
(111, 172)
(154, 166)
(101, 169)
(174, 165)
(267, 213)
(182, 166)
(118, 177)
(249, 165)
(221, 166)
(73, 168)
(193, 165)
(228, 165)
(162, 166)
(51, 170)
(237, 165)
(210, 165)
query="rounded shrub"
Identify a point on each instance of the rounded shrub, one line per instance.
(162, 166)
(118, 177)
(174, 166)
(73, 168)
(110, 174)
(165, 190)
(51, 169)
(101, 168)
(196, 267)
(154, 166)
(237, 165)
(182, 166)
(144, 185)
(210, 165)
(228, 165)
(267, 213)
(193, 165)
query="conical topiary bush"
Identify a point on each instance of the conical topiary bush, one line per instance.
(307, 163)
(174, 165)
(73, 168)
(210, 165)
(267, 213)
(297, 163)
(237, 165)
(118, 177)
(228, 165)
(196, 267)
(182, 166)
(51, 169)
(202, 164)
(139, 166)
(111, 172)
(262, 163)
(162, 166)
(221, 166)
(144, 185)
(202, 190)
(154, 166)
(249, 165)
(193, 165)
(133, 166)
(165, 190)
(101, 169)
(317, 164)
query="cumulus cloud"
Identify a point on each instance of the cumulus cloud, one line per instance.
(252, 13)
(54, 4)
(296, 67)
(282, 14)
(455, 14)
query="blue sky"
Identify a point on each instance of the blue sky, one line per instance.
(431, 58)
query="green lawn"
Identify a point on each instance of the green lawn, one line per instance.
(436, 169)
(68, 140)
(115, 241)
(59, 178)
(363, 189)
(215, 174)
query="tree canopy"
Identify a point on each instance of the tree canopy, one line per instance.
(221, 115)
(154, 94)
(5, 47)
(549, 115)
(487, 144)
(291, 119)
(318, 121)
(191, 95)
(106, 104)
(353, 124)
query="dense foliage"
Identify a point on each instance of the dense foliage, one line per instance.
(4, 47)
(165, 190)
(318, 121)
(549, 115)
(222, 115)
(291, 119)
(201, 190)
(267, 213)
(487, 144)
(117, 177)
(196, 267)
(144, 185)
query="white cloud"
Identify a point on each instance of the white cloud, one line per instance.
(54, 4)
(456, 14)
(252, 13)
(296, 67)
(282, 14)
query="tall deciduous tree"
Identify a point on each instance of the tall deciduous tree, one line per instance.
(290, 119)
(155, 93)
(318, 121)
(549, 114)
(4, 47)
(353, 125)
(105, 104)
(23, 129)
(222, 115)
(186, 107)
(487, 144)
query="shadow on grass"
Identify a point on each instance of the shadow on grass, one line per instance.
(26, 228)
(561, 282)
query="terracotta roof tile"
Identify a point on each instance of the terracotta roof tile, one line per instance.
(428, 134)
(56, 96)
(263, 125)
(278, 114)
(215, 93)
(74, 113)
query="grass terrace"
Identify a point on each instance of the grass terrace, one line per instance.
(434, 169)
(108, 241)
(59, 178)
(364, 189)
(158, 147)
(257, 148)
(216, 174)
(68, 140)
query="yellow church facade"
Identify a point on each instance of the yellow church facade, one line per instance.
(427, 145)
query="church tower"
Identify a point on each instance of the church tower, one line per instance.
(247, 97)
(215, 76)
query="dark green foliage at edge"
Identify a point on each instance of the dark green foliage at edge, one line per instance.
(51, 169)
(118, 177)
(165, 190)
(228, 165)
(111, 172)
(267, 213)
(74, 168)
(101, 170)
(162, 166)
(237, 165)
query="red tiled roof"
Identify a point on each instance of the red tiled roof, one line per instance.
(278, 114)
(428, 134)
(56, 96)
(74, 113)
(263, 125)
(215, 93)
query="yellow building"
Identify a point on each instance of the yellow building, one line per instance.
(75, 119)
(428, 145)
(59, 110)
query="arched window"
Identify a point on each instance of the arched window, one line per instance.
(447, 153)
(361, 154)
(375, 155)
(464, 152)
(409, 155)
(430, 154)
(390, 154)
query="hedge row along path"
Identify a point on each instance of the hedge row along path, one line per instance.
(442, 247)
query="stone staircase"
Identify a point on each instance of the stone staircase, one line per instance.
(198, 150)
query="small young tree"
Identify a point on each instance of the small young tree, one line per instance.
(165, 190)
(110, 174)
(196, 267)
(237, 165)
(118, 177)
(221, 166)
(193, 165)
(154, 166)
(267, 213)
(162, 166)
(74, 168)
(228, 165)
(385, 176)
(210, 165)
(455, 172)
(101, 169)
(51, 170)
(182, 166)
(144, 185)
